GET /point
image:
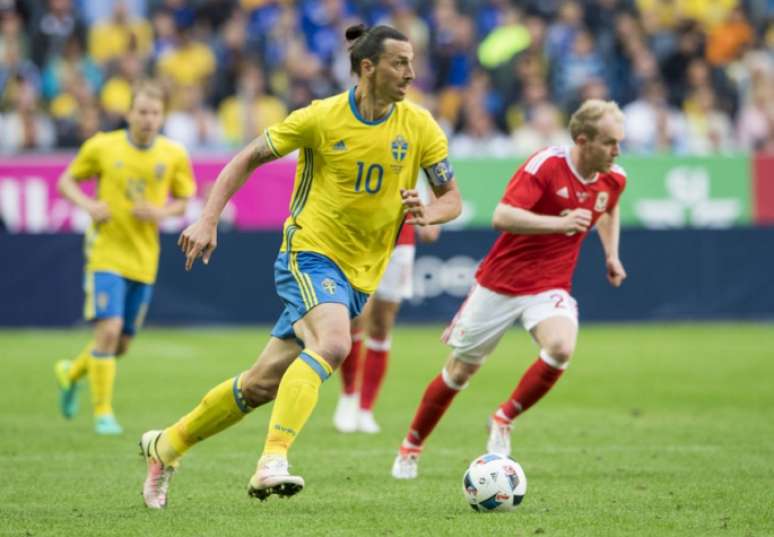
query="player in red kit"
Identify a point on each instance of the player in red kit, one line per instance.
(354, 411)
(550, 204)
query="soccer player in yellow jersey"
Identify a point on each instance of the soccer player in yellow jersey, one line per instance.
(359, 156)
(137, 170)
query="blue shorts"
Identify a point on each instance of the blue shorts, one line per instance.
(111, 295)
(306, 279)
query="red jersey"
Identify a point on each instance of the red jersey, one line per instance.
(407, 235)
(546, 184)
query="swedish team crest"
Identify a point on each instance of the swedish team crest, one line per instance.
(158, 171)
(329, 286)
(399, 148)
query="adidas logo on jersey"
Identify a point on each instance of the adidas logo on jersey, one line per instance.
(340, 146)
(563, 193)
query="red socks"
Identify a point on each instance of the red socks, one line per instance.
(536, 382)
(436, 399)
(374, 368)
(349, 366)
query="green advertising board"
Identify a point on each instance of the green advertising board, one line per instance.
(662, 191)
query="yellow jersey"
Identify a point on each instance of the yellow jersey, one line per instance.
(125, 175)
(346, 200)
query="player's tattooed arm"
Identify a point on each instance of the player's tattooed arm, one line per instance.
(260, 152)
(200, 238)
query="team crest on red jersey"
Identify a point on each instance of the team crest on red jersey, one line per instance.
(601, 204)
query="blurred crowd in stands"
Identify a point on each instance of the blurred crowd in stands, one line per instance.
(693, 76)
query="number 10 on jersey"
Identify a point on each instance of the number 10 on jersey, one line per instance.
(370, 179)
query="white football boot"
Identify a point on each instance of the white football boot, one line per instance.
(345, 417)
(499, 436)
(156, 486)
(406, 465)
(272, 477)
(366, 422)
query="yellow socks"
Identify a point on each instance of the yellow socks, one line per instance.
(80, 365)
(102, 375)
(222, 407)
(296, 399)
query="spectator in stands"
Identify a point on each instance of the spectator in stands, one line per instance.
(53, 29)
(25, 127)
(757, 115)
(453, 46)
(72, 131)
(728, 39)
(193, 125)
(674, 66)
(189, 63)
(543, 128)
(68, 107)
(96, 11)
(164, 33)
(651, 125)
(301, 66)
(701, 74)
(12, 32)
(709, 129)
(112, 38)
(70, 63)
(246, 115)
(230, 54)
(576, 68)
(116, 94)
(561, 34)
(687, 44)
(320, 23)
(479, 136)
(15, 70)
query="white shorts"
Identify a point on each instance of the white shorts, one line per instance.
(398, 281)
(485, 316)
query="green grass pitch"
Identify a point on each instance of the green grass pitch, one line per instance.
(662, 430)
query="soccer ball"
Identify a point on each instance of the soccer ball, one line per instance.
(494, 483)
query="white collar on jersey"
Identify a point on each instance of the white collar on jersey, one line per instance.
(578, 176)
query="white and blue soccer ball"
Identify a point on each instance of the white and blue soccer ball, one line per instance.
(494, 482)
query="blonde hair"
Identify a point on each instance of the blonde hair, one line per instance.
(585, 120)
(149, 88)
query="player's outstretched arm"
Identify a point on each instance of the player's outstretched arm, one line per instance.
(446, 206)
(147, 211)
(200, 238)
(609, 228)
(69, 188)
(520, 221)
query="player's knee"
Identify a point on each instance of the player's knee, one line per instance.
(335, 348)
(122, 348)
(379, 329)
(107, 338)
(458, 373)
(559, 349)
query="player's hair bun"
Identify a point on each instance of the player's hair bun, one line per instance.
(355, 32)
